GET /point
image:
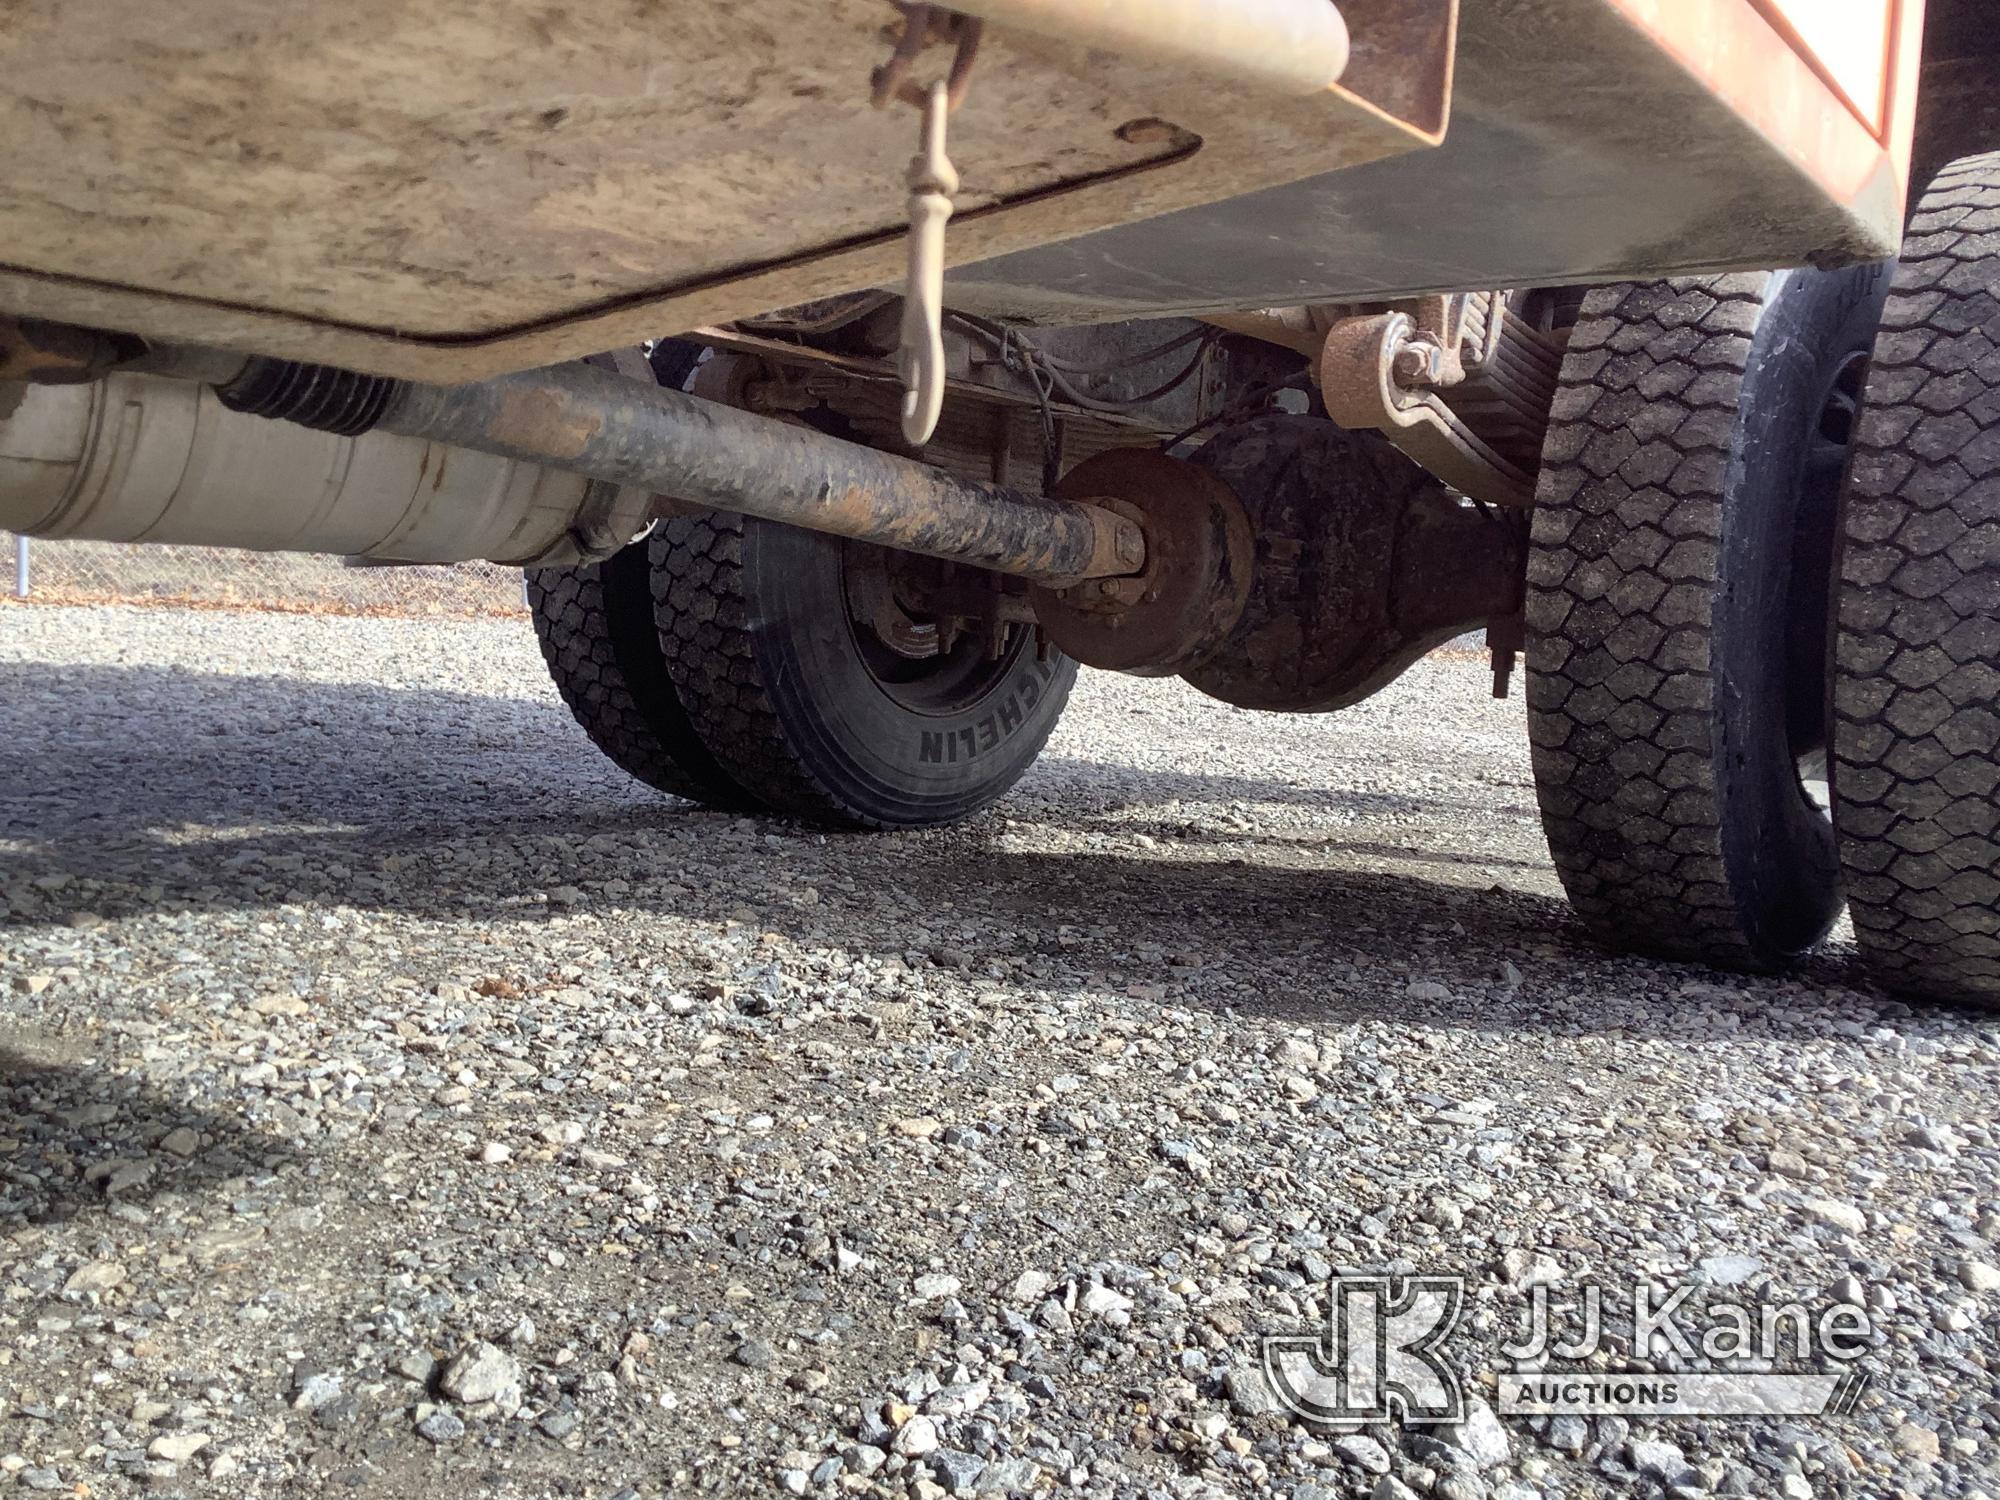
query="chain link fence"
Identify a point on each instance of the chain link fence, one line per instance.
(226, 578)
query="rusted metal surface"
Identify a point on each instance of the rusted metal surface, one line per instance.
(924, 24)
(1297, 46)
(626, 432)
(979, 372)
(1506, 639)
(1296, 328)
(449, 190)
(1365, 389)
(46, 353)
(1363, 564)
(1510, 378)
(921, 607)
(1196, 577)
(978, 436)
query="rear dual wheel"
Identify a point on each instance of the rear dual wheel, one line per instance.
(1677, 607)
(744, 664)
(1692, 545)
(824, 696)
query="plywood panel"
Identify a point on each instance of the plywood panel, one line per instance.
(369, 180)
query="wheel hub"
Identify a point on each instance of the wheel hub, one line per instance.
(1196, 580)
(1814, 559)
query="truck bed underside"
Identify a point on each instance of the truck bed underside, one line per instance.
(454, 190)
(1579, 151)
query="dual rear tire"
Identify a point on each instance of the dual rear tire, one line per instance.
(751, 666)
(1713, 619)
(724, 660)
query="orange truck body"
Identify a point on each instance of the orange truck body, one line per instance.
(452, 190)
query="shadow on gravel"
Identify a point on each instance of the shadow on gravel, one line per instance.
(83, 1134)
(1113, 787)
(121, 751)
(1193, 833)
(460, 806)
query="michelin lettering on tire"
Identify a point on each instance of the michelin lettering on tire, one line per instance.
(943, 746)
(762, 642)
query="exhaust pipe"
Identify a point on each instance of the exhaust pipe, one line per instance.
(637, 433)
(546, 466)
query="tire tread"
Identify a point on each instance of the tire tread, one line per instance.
(625, 704)
(1623, 584)
(702, 607)
(1916, 760)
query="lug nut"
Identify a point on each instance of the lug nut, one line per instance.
(1131, 545)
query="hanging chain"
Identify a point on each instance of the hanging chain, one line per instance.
(931, 180)
(921, 358)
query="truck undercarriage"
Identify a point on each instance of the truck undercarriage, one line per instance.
(1280, 343)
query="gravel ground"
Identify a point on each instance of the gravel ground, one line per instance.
(394, 1097)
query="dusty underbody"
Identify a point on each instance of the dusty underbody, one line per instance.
(1282, 342)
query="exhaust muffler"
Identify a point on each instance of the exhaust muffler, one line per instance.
(140, 457)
